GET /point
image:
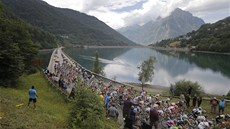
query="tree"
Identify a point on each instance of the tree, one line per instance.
(88, 111)
(16, 49)
(97, 68)
(146, 70)
(182, 86)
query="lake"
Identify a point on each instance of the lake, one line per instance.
(211, 71)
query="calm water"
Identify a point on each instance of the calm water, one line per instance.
(212, 72)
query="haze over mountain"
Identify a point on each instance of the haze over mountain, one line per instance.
(74, 27)
(179, 22)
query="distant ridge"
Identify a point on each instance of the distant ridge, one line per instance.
(74, 27)
(179, 22)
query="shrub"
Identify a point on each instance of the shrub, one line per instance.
(183, 86)
(88, 111)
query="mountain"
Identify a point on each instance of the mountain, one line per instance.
(179, 22)
(40, 37)
(74, 27)
(209, 37)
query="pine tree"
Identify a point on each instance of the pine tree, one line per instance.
(97, 68)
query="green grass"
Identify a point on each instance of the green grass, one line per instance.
(112, 124)
(52, 112)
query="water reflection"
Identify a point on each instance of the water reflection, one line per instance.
(211, 71)
(86, 56)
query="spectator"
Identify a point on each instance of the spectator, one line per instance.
(222, 105)
(101, 96)
(182, 100)
(113, 112)
(138, 120)
(194, 101)
(32, 97)
(133, 114)
(171, 90)
(199, 101)
(187, 99)
(107, 99)
(127, 107)
(99, 84)
(154, 118)
(157, 97)
(214, 103)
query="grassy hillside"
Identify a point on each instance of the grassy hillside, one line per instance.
(52, 108)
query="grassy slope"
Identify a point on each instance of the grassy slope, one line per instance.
(52, 108)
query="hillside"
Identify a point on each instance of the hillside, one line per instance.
(210, 37)
(48, 115)
(40, 37)
(179, 22)
(53, 110)
(74, 27)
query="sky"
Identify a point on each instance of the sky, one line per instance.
(122, 13)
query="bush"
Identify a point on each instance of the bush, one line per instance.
(88, 111)
(183, 86)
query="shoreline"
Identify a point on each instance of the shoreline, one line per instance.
(94, 46)
(156, 48)
(210, 52)
(188, 50)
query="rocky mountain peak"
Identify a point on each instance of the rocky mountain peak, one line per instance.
(179, 22)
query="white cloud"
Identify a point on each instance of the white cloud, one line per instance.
(111, 18)
(107, 10)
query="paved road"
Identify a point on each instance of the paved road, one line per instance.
(55, 57)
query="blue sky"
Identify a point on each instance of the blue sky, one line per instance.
(130, 8)
(121, 13)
